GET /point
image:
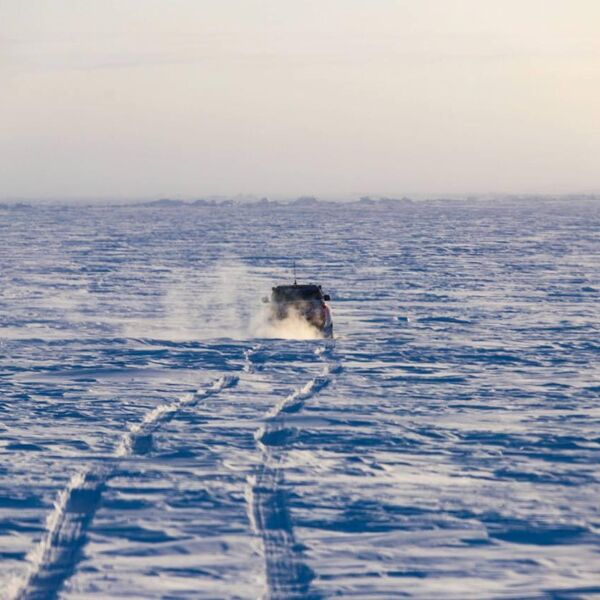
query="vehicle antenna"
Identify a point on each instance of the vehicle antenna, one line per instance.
(295, 280)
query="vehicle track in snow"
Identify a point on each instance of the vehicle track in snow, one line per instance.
(54, 560)
(286, 573)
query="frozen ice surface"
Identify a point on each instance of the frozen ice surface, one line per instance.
(156, 445)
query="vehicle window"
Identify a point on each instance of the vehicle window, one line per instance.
(293, 294)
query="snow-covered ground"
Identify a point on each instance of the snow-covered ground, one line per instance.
(156, 442)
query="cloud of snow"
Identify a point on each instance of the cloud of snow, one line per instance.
(224, 301)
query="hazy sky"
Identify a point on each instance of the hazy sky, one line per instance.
(147, 98)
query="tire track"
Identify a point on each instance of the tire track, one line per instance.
(248, 365)
(54, 560)
(286, 573)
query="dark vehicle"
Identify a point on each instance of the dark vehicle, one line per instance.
(306, 301)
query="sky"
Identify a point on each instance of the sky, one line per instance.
(191, 98)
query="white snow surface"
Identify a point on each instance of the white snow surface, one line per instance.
(161, 439)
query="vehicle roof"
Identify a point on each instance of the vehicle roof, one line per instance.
(298, 286)
(296, 293)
